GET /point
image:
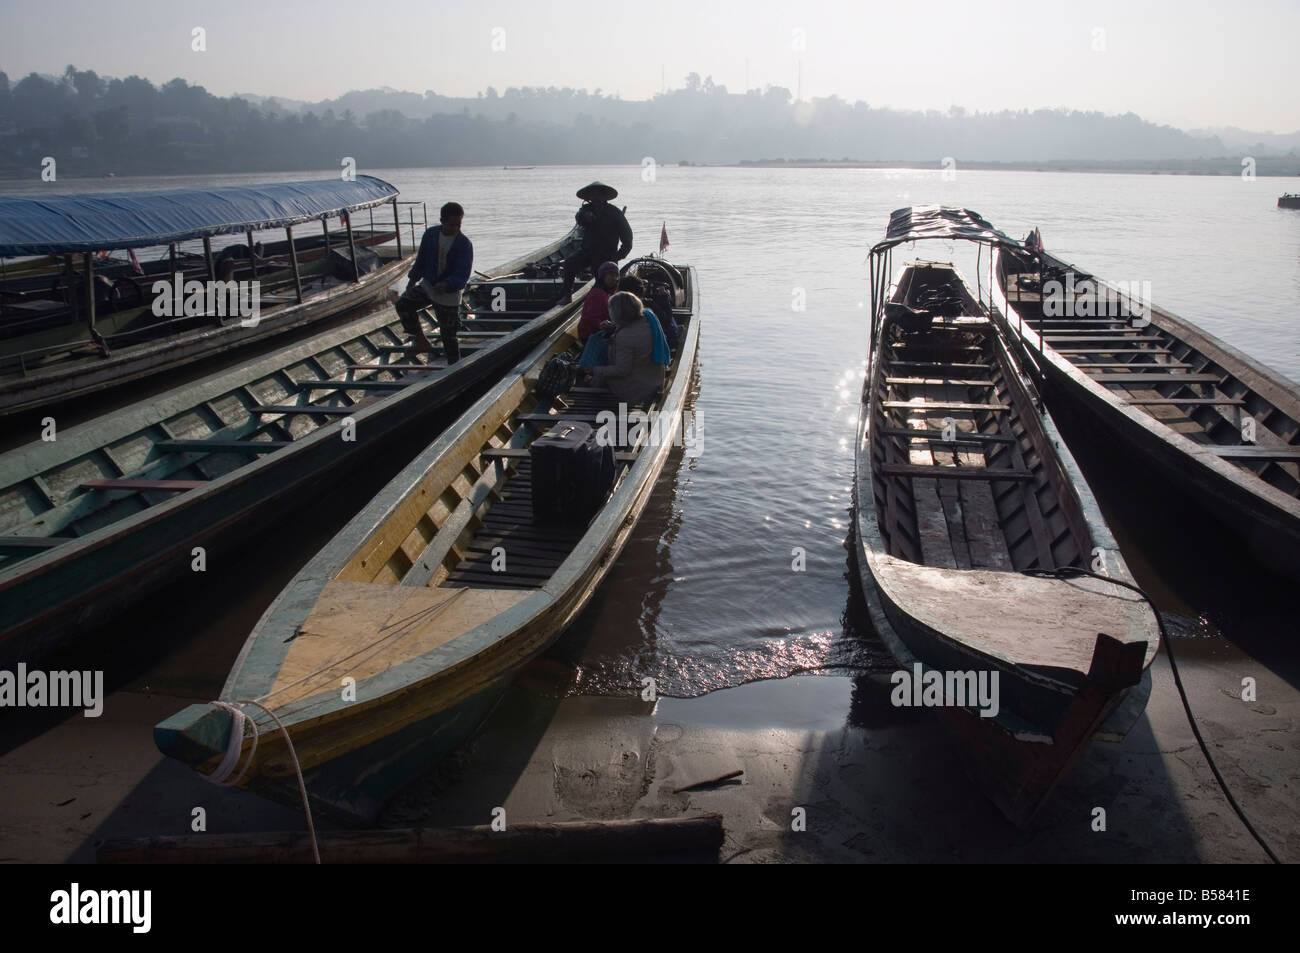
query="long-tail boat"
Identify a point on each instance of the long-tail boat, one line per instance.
(1209, 418)
(429, 602)
(73, 322)
(110, 510)
(974, 527)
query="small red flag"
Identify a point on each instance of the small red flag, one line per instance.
(663, 238)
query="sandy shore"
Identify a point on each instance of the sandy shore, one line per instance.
(875, 783)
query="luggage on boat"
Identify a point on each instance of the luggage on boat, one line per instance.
(572, 474)
(556, 377)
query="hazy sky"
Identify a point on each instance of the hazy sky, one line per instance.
(1190, 63)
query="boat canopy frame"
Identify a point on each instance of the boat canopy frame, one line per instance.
(105, 221)
(95, 223)
(929, 223)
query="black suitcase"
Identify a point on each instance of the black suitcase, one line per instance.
(572, 474)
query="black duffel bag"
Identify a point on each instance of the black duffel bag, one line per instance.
(556, 377)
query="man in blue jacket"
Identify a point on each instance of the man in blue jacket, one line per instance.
(440, 271)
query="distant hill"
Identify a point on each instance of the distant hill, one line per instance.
(96, 124)
(1257, 144)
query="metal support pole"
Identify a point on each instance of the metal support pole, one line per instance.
(325, 224)
(352, 250)
(70, 283)
(90, 294)
(397, 227)
(207, 255)
(171, 259)
(412, 217)
(252, 257)
(293, 260)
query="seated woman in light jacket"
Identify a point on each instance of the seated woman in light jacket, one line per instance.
(638, 352)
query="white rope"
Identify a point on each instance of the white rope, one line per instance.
(235, 745)
(302, 786)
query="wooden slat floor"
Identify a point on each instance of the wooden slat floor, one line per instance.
(957, 519)
(525, 553)
(1206, 423)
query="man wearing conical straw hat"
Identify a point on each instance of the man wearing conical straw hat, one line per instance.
(606, 235)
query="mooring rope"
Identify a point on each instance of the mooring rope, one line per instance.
(235, 745)
(1066, 572)
(240, 720)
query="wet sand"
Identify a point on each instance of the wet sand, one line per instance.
(876, 783)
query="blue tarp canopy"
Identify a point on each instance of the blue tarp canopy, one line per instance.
(101, 221)
(940, 221)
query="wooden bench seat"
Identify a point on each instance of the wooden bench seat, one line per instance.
(1255, 453)
(522, 453)
(175, 486)
(1132, 365)
(223, 446)
(1154, 401)
(937, 435)
(1171, 378)
(352, 385)
(940, 366)
(304, 409)
(937, 382)
(556, 418)
(1109, 350)
(940, 405)
(954, 473)
(33, 542)
(1055, 339)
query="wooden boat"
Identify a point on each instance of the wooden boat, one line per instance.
(62, 335)
(1208, 418)
(1288, 201)
(966, 497)
(431, 599)
(112, 509)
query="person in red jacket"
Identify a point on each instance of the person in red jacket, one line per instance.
(595, 308)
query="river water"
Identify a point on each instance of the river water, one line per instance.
(738, 569)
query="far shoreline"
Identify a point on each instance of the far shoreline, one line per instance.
(1276, 167)
(1266, 167)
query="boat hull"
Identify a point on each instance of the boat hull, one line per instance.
(1271, 539)
(1034, 641)
(51, 601)
(1264, 519)
(410, 715)
(44, 388)
(354, 788)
